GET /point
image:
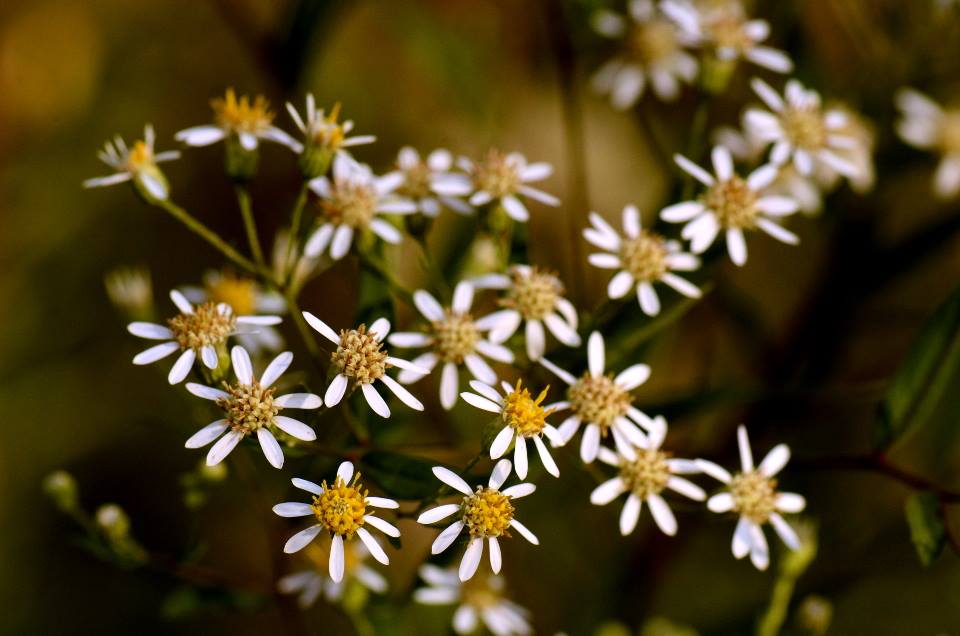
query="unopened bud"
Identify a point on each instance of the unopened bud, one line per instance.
(61, 487)
(113, 521)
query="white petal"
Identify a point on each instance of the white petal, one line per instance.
(632, 377)
(336, 390)
(619, 286)
(150, 331)
(694, 170)
(293, 509)
(746, 456)
(451, 479)
(607, 491)
(449, 384)
(156, 352)
(462, 297)
(545, 457)
(335, 565)
(206, 434)
(662, 515)
(630, 514)
(648, 299)
(223, 447)
(271, 449)
(300, 540)
(742, 539)
(604, 261)
(299, 401)
(787, 534)
(480, 369)
(471, 559)
(309, 486)
(722, 163)
(535, 339)
(200, 135)
(206, 392)
(775, 460)
(427, 305)
(294, 427)
(714, 470)
(721, 502)
(701, 232)
(790, 502)
(520, 456)
(382, 502)
(596, 354)
(345, 471)
(778, 232)
(681, 212)
(342, 240)
(275, 369)
(501, 471)
(242, 366)
(321, 327)
(522, 529)
(437, 514)
(686, 488)
(520, 490)
(181, 367)
(376, 551)
(561, 330)
(496, 560)
(501, 442)
(590, 444)
(515, 209)
(402, 394)
(445, 538)
(406, 339)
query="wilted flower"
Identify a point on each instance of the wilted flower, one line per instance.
(927, 125)
(137, 163)
(309, 584)
(479, 599)
(248, 121)
(502, 179)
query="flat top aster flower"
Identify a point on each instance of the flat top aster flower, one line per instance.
(523, 418)
(244, 119)
(430, 183)
(341, 509)
(535, 296)
(502, 179)
(351, 202)
(644, 479)
(486, 513)
(752, 494)
(455, 339)
(604, 403)
(360, 360)
(322, 132)
(197, 332)
(480, 599)
(652, 51)
(730, 203)
(643, 258)
(308, 584)
(927, 125)
(137, 163)
(249, 407)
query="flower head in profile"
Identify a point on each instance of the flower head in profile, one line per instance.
(752, 494)
(137, 163)
(323, 136)
(645, 478)
(927, 125)
(454, 339)
(309, 583)
(533, 296)
(642, 257)
(502, 179)
(480, 599)
(340, 509)
(523, 417)
(359, 360)
(430, 182)
(250, 408)
(351, 202)
(130, 289)
(602, 402)
(244, 120)
(487, 514)
(198, 332)
(652, 53)
(731, 203)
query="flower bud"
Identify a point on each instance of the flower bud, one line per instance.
(113, 521)
(61, 487)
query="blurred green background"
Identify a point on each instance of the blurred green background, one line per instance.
(799, 344)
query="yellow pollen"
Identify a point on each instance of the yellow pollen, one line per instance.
(236, 291)
(534, 295)
(497, 174)
(652, 42)
(350, 204)
(241, 115)
(725, 28)
(733, 202)
(478, 593)
(950, 132)
(487, 513)
(455, 337)
(804, 126)
(205, 326)
(139, 157)
(341, 507)
(360, 356)
(325, 131)
(598, 400)
(648, 474)
(645, 256)
(249, 407)
(416, 181)
(754, 496)
(523, 413)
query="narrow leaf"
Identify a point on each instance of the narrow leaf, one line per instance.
(927, 530)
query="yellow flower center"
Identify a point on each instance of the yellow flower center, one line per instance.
(725, 28)
(804, 126)
(317, 553)
(350, 204)
(360, 356)
(478, 593)
(754, 496)
(733, 202)
(341, 507)
(416, 181)
(534, 294)
(487, 513)
(325, 131)
(497, 174)
(950, 132)
(645, 256)
(648, 474)
(241, 115)
(523, 413)
(455, 337)
(205, 326)
(652, 42)
(598, 400)
(238, 292)
(139, 157)
(249, 407)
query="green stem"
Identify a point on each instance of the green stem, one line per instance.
(373, 264)
(210, 237)
(296, 217)
(306, 333)
(249, 224)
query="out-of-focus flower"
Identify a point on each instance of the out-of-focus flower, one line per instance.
(246, 120)
(925, 124)
(350, 202)
(428, 182)
(131, 291)
(653, 52)
(752, 494)
(486, 513)
(137, 163)
(523, 417)
(502, 179)
(479, 599)
(731, 203)
(249, 407)
(814, 615)
(858, 154)
(360, 359)
(533, 296)
(199, 332)
(341, 509)
(643, 258)
(113, 521)
(602, 401)
(324, 137)
(309, 584)
(61, 487)
(454, 339)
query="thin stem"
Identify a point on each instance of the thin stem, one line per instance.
(296, 216)
(249, 224)
(210, 237)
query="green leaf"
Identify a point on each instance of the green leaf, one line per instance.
(926, 373)
(927, 530)
(400, 476)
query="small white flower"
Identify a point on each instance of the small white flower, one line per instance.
(523, 418)
(927, 125)
(603, 402)
(752, 494)
(137, 163)
(199, 333)
(428, 183)
(341, 510)
(652, 52)
(486, 513)
(309, 584)
(536, 297)
(643, 258)
(454, 339)
(247, 120)
(322, 132)
(502, 179)
(479, 600)
(249, 407)
(731, 203)
(352, 202)
(130, 289)
(360, 360)
(644, 479)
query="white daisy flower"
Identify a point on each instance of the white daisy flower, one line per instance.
(644, 479)
(130, 289)
(341, 510)
(137, 163)
(199, 333)
(479, 599)
(248, 121)
(523, 418)
(324, 138)
(309, 584)
(429, 182)
(726, 30)
(929, 126)
(731, 203)
(502, 179)
(454, 339)
(536, 297)
(652, 52)
(360, 360)
(351, 202)
(603, 402)
(642, 257)
(486, 513)
(753, 495)
(249, 407)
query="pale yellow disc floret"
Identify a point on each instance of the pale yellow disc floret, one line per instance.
(206, 326)
(360, 356)
(599, 400)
